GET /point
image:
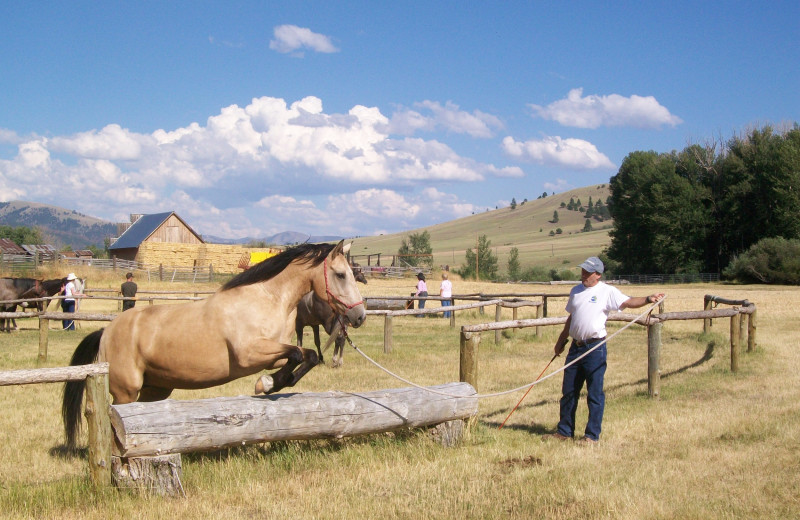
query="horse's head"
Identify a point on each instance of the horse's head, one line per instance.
(338, 286)
(358, 273)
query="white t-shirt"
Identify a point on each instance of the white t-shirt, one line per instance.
(589, 307)
(446, 289)
(69, 290)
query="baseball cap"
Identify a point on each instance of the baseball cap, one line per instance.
(593, 265)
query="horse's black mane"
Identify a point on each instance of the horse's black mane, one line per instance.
(263, 271)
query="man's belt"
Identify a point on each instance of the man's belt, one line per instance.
(588, 341)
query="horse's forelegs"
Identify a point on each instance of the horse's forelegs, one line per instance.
(298, 363)
(338, 352)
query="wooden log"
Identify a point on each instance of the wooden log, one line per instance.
(44, 327)
(77, 316)
(653, 360)
(99, 429)
(468, 359)
(159, 475)
(694, 315)
(387, 334)
(497, 316)
(500, 325)
(726, 301)
(707, 321)
(735, 342)
(51, 375)
(174, 426)
(385, 304)
(751, 331)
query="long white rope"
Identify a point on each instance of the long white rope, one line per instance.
(523, 387)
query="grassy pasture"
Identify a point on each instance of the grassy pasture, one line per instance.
(716, 445)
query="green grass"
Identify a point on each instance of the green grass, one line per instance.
(715, 445)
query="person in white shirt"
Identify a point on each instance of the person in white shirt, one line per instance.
(422, 292)
(446, 291)
(68, 303)
(588, 306)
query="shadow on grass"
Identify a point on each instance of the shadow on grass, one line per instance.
(63, 452)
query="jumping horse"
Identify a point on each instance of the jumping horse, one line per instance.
(238, 331)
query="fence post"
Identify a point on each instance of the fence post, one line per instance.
(468, 366)
(742, 330)
(751, 332)
(452, 314)
(538, 328)
(706, 321)
(544, 306)
(514, 317)
(735, 343)
(99, 429)
(497, 311)
(44, 326)
(387, 334)
(653, 359)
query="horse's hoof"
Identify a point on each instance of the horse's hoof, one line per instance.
(264, 384)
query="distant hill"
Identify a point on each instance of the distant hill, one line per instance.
(59, 226)
(279, 239)
(527, 227)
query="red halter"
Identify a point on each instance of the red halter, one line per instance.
(330, 294)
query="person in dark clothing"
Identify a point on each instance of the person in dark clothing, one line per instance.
(128, 289)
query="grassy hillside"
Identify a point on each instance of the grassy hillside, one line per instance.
(59, 226)
(527, 228)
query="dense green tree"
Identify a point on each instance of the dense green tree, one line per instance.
(513, 203)
(486, 262)
(555, 217)
(513, 264)
(587, 226)
(417, 250)
(21, 234)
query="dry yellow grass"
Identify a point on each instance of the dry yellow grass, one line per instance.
(716, 445)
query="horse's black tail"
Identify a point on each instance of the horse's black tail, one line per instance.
(85, 354)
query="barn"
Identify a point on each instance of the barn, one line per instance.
(156, 228)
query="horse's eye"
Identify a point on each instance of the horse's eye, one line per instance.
(341, 276)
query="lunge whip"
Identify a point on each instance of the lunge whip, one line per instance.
(529, 389)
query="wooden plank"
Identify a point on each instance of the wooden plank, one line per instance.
(51, 375)
(173, 426)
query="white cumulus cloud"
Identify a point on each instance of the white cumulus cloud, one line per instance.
(291, 38)
(594, 111)
(555, 151)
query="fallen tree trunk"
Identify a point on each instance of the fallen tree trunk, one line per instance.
(175, 426)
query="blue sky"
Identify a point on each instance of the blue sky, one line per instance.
(358, 118)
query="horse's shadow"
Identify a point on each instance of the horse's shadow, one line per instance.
(540, 429)
(63, 452)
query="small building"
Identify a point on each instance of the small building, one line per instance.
(156, 228)
(9, 247)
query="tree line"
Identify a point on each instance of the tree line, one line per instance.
(697, 210)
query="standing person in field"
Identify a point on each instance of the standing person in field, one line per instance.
(588, 306)
(422, 291)
(128, 289)
(446, 291)
(68, 302)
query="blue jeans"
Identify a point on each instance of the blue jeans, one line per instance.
(68, 306)
(446, 303)
(590, 370)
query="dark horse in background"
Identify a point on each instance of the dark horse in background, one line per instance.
(313, 311)
(238, 331)
(17, 289)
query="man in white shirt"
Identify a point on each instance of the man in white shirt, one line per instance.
(588, 306)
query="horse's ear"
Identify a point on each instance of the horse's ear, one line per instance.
(338, 249)
(346, 249)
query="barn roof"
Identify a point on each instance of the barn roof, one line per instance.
(140, 230)
(8, 246)
(144, 226)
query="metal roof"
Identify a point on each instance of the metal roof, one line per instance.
(9, 247)
(140, 230)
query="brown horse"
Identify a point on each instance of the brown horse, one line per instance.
(238, 331)
(17, 289)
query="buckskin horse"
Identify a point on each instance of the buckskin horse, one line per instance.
(17, 289)
(238, 331)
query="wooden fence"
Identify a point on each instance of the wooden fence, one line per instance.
(742, 318)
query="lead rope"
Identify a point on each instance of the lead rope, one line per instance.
(484, 396)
